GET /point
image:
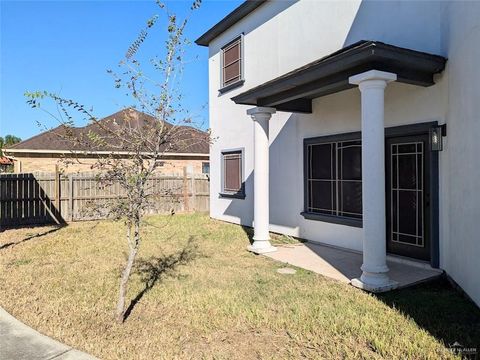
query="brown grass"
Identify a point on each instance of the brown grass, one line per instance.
(218, 302)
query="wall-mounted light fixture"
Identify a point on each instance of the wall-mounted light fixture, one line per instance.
(436, 134)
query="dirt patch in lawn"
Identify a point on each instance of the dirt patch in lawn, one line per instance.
(219, 302)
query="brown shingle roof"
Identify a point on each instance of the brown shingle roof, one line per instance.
(185, 139)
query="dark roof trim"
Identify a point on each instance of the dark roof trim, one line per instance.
(294, 90)
(228, 21)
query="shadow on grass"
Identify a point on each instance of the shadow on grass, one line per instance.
(153, 269)
(276, 239)
(441, 310)
(249, 232)
(31, 237)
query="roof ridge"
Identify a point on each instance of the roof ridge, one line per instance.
(119, 112)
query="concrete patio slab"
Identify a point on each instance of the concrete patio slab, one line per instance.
(344, 265)
(20, 342)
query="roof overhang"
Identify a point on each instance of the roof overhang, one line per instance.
(295, 90)
(228, 21)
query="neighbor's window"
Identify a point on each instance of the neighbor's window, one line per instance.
(205, 168)
(232, 173)
(334, 177)
(232, 69)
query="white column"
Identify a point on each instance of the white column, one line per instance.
(374, 276)
(261, 219)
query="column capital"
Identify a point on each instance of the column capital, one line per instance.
(261, 111)
(372, 75)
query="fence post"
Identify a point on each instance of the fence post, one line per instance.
(14, 196)
(194, 193)
(57, 189)
(186, 207)
(70, 197)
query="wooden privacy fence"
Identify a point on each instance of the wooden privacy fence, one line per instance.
(41, 198)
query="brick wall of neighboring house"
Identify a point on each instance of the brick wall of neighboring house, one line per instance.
(30, 163)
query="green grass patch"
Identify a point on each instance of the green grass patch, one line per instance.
(197, 293)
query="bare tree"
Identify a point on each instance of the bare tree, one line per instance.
(168, 127)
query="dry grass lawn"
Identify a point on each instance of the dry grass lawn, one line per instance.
(199, 294)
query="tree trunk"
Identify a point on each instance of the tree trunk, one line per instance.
(126, 275)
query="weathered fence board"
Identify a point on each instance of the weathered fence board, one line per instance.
(41, 198)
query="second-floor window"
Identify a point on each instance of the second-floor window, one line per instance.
(232, 67)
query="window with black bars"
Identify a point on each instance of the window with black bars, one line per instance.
(334, 178)
(407, 193)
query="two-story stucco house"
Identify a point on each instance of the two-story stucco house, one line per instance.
(354, 124)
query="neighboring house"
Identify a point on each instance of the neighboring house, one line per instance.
(330, 117)
(6, 164)
(44, 151)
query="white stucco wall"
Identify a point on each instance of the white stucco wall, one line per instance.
(460, 250)
(282, 36)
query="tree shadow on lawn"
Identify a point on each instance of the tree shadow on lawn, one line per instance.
(441, 310)
(31, 237)
(151, 270)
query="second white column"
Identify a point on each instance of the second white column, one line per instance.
(374, 276)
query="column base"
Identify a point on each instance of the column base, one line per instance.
(374, 282)
(261, 247)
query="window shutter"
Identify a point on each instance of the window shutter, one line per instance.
(233, 172)
(232, 53)
(232, 73)
(232, 64)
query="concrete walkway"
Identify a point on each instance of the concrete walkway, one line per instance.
(20, 342)
(344, 265)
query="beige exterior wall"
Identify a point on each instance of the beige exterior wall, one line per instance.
(31, 163)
